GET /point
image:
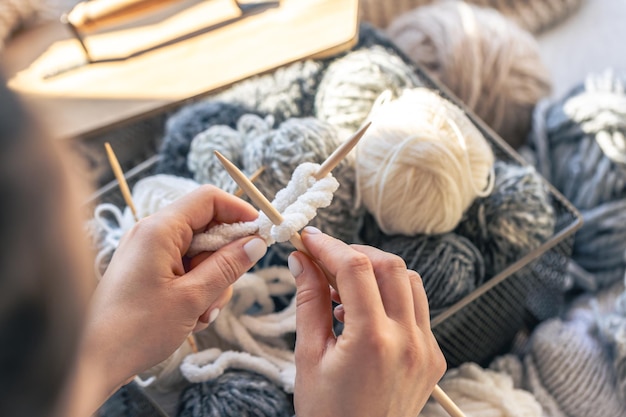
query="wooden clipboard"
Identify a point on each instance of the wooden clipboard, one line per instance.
(89, 99)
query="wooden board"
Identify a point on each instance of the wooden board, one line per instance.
(92, 98)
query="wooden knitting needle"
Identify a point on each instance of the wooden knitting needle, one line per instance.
(446, 402)
(256, 174)
(121, 179)
(340, 153)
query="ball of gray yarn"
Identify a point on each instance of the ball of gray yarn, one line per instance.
(201, 159)
(182, 126)
(236, 393)
(579, 142)
(351, 85)
(284, 93)
(514, 219)
(294, 142)
(451, 267)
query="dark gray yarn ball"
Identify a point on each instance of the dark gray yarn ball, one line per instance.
(284, 93)
(183, 126)
(451, 267)
(514, 219)
(236, 393)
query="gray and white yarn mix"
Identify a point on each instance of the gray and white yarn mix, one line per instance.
(352, 84)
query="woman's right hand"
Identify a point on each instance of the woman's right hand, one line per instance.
(387, 361)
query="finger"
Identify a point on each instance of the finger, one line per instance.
(334, 295)
(354, 273)
(314, 322)
(208, 203)
(211, 313)
(339, 313)
(393, 283)
(420, 301)
(213, 275)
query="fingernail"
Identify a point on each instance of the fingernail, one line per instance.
(295, 267)
(213, 315)
(312, 230)
(255, 249)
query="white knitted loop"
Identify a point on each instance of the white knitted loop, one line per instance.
(298, 204)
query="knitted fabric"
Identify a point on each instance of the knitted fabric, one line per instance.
(516, 218)
(249, 322)
(297, 203)
(483, 393)
(236, 393)
(182, 126)
(352, 84)
(533, 15)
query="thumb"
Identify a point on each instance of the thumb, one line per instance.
(314, 322)
(223, 267)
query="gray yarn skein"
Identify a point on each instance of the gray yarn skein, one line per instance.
(514, 219)
(201, 160)
(613, 329)
(351, 85)
(183, 126)
(284, 93)
(236, 393)
(450, 265)
(579, 145)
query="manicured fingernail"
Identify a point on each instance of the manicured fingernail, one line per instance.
(312, 230)
(295, 267)
(255, 249)
(213, 315)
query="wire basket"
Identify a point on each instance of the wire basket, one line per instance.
(485, 322)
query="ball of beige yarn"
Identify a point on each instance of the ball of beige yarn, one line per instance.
(486, 60)
(421, 164)
(533, 15)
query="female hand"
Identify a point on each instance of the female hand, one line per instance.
(147, 303)
(387, 361)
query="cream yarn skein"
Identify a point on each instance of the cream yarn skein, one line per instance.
(421, 164)
(487, 61)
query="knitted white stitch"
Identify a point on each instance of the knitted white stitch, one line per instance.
(297, 203)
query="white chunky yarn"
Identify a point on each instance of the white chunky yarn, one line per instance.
(250, 324)
(484, 393)
(297, 203)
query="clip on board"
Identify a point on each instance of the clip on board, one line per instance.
(110, 62)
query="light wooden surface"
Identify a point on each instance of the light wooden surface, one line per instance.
(97, 97)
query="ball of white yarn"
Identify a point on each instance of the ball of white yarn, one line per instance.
(421, 164)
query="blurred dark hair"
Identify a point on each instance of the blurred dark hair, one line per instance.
(41, 305)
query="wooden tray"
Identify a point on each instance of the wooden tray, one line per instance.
(92, 98)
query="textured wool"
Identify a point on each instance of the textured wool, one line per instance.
(450, 265)
(351, 85)
(516, 218)
(578, 144)
(284, 93)
(483, 393)
(130, 401)
(236, 393)
(487, 61)
(297, 203)
(251, 323)
(533, 15)
(182, 126)
(421, 164)
(568, 369)
(296, 141)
